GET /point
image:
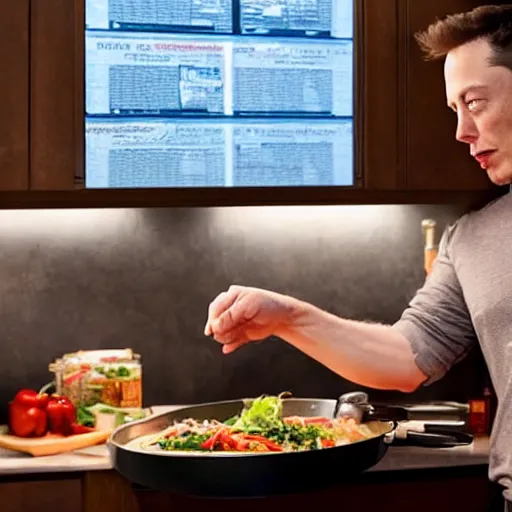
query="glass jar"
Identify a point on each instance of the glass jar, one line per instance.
(110, 377)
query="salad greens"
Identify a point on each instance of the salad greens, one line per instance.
(260, 414)
(186, 441)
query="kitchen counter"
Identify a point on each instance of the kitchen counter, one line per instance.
(398, 458)
(411, 457)
(96, 458)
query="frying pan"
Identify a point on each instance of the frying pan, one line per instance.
(245, 475)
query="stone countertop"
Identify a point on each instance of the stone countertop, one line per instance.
(412, 457)
(97, 458)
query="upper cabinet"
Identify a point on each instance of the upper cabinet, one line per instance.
(14, 92)
(419, 152)
(434, 159)
(228, 104)
(56, 94)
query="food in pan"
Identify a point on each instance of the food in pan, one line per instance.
(260, 427)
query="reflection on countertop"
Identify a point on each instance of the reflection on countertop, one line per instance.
(411, 457)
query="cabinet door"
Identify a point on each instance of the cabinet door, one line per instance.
(56, 114)
(14, 87)
(434, 158)
(44, 495)
(377, 61)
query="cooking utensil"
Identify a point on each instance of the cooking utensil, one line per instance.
(241, 474)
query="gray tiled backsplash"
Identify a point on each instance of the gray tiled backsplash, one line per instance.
(143, 278)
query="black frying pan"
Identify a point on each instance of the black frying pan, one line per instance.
(225, 475)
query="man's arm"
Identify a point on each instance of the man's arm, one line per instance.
(434, 332)
(372, 355)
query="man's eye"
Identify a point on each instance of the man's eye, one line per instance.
(472, 104)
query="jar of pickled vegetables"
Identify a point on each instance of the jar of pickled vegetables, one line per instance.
(109, 377)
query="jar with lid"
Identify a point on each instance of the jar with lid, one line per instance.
(110, 377)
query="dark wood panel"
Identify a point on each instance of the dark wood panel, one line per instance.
(435, 159)
(56, 84)
(238, 197)
(14, 91)
(381, 129)
(107, 491)
(398, 491)
(42, 496)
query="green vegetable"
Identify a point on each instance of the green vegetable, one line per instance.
(263, 416)
(186, 441)
(262, 413)
(298, 436)
(231, 421)
(112, 373)
(85, 417)
(122, 371)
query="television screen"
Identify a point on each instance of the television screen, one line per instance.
(219, 93)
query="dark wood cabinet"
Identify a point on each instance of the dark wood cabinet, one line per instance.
(14, 93)
(443, 490)
(56, 94)
(434, 159)
(42, 494)
(405, 134)
(410, 131)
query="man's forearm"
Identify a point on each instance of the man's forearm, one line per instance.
(371, 355)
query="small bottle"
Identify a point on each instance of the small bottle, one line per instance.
(480, 419)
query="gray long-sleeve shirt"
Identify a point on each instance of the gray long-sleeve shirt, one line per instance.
(467, 299)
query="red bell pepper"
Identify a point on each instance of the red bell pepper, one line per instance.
(31, 398)
(61, 415)
(33, 414)
(26, 421)
(27, 415)
(243, 445)
(210, 443)
(77, 428)
(327, 443)
(273, 447)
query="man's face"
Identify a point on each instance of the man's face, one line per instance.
(481, 95)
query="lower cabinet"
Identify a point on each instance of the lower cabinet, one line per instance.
(465, 489)
(41, 494)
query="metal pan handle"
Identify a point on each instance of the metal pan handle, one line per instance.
(355, 405)
(429, 439)
(385, 413)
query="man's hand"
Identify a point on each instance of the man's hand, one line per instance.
(241, 315)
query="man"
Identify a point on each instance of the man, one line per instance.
(468, 296)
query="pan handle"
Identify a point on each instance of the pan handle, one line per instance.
(385, 413)
(447, 439)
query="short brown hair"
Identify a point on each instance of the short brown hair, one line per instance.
(490, 22)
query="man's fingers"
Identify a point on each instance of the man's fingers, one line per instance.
(222, 302)
(233, 340)
(236, 315)
(235, 345)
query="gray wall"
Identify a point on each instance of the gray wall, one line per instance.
(143, 278)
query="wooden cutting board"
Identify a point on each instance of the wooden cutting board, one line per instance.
(52, 444)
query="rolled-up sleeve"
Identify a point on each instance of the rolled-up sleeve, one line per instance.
(437, 322)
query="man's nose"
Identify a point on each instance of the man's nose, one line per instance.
(466, 129)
